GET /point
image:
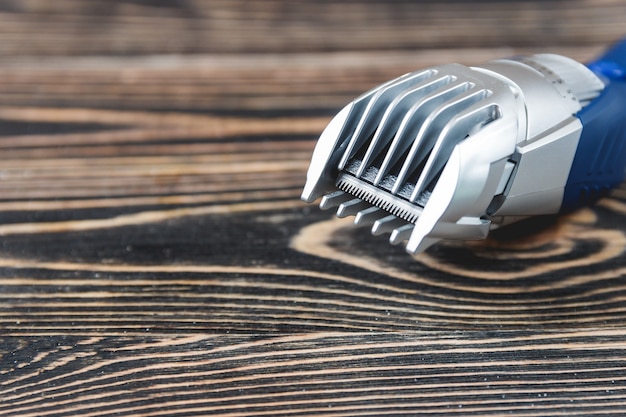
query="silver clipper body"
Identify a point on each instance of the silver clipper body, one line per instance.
(452, 151)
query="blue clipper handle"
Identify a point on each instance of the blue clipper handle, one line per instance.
(600, 161)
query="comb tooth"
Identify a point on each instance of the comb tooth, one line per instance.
(367, 217)
(400, 234)
(351, 207)
(409, 126)
(460, 125)
(386, 224)
(377, 103)
(334, 199)
(425, 139)
(457, 124)
(391, 120)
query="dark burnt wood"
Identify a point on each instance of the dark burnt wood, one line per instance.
(155, 259)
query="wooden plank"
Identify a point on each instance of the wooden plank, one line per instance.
(95, 27)
(318, 374)
(155, 258)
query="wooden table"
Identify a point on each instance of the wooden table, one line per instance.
(155, 259)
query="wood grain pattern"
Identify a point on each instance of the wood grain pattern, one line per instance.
(155, 259)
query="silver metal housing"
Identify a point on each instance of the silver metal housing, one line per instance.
(452, 151)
